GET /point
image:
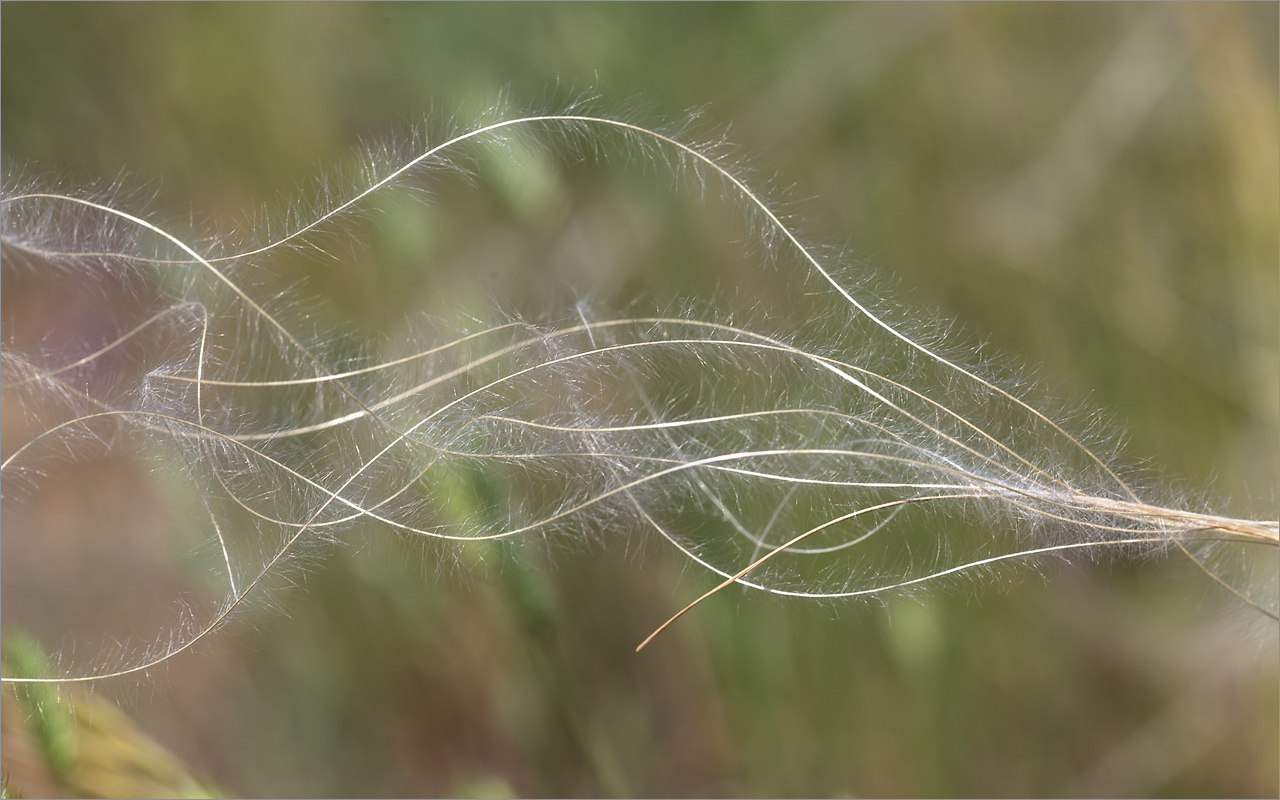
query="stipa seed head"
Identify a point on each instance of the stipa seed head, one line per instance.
(840, 451)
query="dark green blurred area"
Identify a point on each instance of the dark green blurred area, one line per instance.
(1090, 189)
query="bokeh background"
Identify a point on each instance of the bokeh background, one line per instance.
(1092, 190)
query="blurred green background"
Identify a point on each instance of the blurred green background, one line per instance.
(1090, 189)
